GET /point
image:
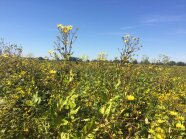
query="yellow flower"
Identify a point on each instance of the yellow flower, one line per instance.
(52, 71)
(23, 73)
(5, 55)
(173, 113)
(126, 41)
(50, 52)
(160, 121)
(16, 97)
(158, 136)
(147, 121)
(59, 25)
(181, 118)
(26, 130)
(130, 97)
(69, 27)
(180, 126)
(159, 129)
(65, 30)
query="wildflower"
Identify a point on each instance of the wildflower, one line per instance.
(5, 55)
(130, 97)
(26, 129)
(59, 25)
(50, 52)
(52, 71)
(151, 131)
(146, 121)
(65, 30)
(69, 27)
(158, 136)
(126, 41)
(173, 113)
(15, 97)
(160, 121)
(180, 126)
(181, 118)
(159, 129)
(23, 73)
(102, 56)
(9, 83)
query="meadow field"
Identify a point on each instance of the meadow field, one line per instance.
(91, 100)
(92, 69)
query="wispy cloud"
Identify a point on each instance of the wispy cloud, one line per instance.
(155, 19)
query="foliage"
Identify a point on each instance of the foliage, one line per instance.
(50, 99)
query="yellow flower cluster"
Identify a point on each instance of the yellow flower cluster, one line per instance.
(52, 71)
(64, 29)
(180, 126)
(5, 55)
(130, 97)
(173, 113)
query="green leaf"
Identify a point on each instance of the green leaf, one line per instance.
(107, 112)
(118, 83)
(88, 128)
(72, 112)
(64, 122)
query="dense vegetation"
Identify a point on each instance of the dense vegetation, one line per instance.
(74, 98)
(58, 99)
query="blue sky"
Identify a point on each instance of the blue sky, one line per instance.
(160, 24)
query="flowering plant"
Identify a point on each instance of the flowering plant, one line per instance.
(131, 45)
(63, 45)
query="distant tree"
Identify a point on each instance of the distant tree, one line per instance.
(30, 55)
(41, 58)
(163, 59)
(172, 63)
(145, 60)
(116, 60)
(134, 61)
(74, 59)
(180, 63)
(94, 60)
